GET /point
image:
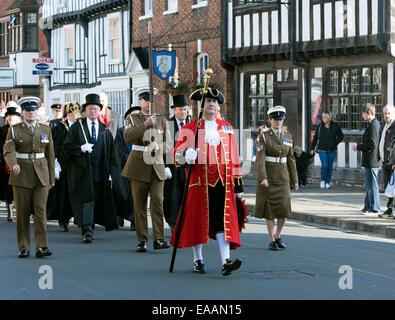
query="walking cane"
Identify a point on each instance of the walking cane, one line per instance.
(209, 72)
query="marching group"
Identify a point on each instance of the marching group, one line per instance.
(87, 165)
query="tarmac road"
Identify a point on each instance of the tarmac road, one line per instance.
(110, 268)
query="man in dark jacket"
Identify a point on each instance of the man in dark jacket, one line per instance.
(370, 160)
(387, 142)
(95, 172)
(124, 149)
(175, 178)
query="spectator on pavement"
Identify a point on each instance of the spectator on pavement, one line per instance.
(302, 160)
(327, 136)
(370, 160)
(387, 141)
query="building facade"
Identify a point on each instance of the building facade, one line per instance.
(194, 29)
(310, 56)
(89, 42)
(21, 41)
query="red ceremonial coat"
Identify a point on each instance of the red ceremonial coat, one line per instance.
(212, 163)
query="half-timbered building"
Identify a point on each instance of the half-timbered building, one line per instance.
(89, 42)
(21, 41)
(310, 56)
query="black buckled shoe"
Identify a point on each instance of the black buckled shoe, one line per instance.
(199, 267)
(273, 246)
(43, 252)
(230, 266)
(23, 254)
(64, 227)
(280, 244)
(141, 247)
(160, 244)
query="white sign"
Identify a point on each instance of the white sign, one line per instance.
(42, 66)
(6, 78)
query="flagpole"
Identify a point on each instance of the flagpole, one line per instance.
(151, 81)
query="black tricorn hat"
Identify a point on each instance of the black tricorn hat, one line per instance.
(211, 93)
(179, 101)
(131, 109)
(12, 111)
(56, 106)
(92, 98)
(67, 108)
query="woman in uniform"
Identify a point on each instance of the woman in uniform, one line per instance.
(276, 170)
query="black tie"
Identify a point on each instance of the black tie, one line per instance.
(93, 133)
(181, 124)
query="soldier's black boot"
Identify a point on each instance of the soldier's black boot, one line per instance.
(43, 252)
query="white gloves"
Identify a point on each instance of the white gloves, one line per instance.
(154, 146)
(190, 156)
(168, 173)
(239, 194)
(109, 178)
(58, 169)
(87, 147)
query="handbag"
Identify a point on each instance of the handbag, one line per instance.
(318, 140)
(390, 189)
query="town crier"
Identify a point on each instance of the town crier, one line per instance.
(210, 208)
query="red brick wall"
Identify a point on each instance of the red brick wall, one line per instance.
(183, 29)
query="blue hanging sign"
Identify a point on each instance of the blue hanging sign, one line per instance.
(164, 63)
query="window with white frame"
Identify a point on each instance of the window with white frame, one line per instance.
(172, 5)
(114, 39)
(69, 46)
(147, 7)
(61, 4)
(71, 97)
(118, 101)
(202, 63)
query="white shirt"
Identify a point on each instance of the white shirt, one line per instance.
(178, 123)
(382, 140)
(89, 123)
(70, 122)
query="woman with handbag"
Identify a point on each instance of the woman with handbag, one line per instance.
(327, 136)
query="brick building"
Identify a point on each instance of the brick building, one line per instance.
(191, 27)
(21, 40)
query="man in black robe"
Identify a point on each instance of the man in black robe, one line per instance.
(175, 178)
(95, 172)
(59, 203)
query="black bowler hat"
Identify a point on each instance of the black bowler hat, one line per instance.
(211, 93)
(179, 101)
(12, 111)
(29, 103)
(131, 109)
(92, 98)
(56, 106)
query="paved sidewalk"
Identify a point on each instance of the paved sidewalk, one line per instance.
(339, 207)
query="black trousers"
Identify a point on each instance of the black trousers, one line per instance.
(387, 172)
(216, 196)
